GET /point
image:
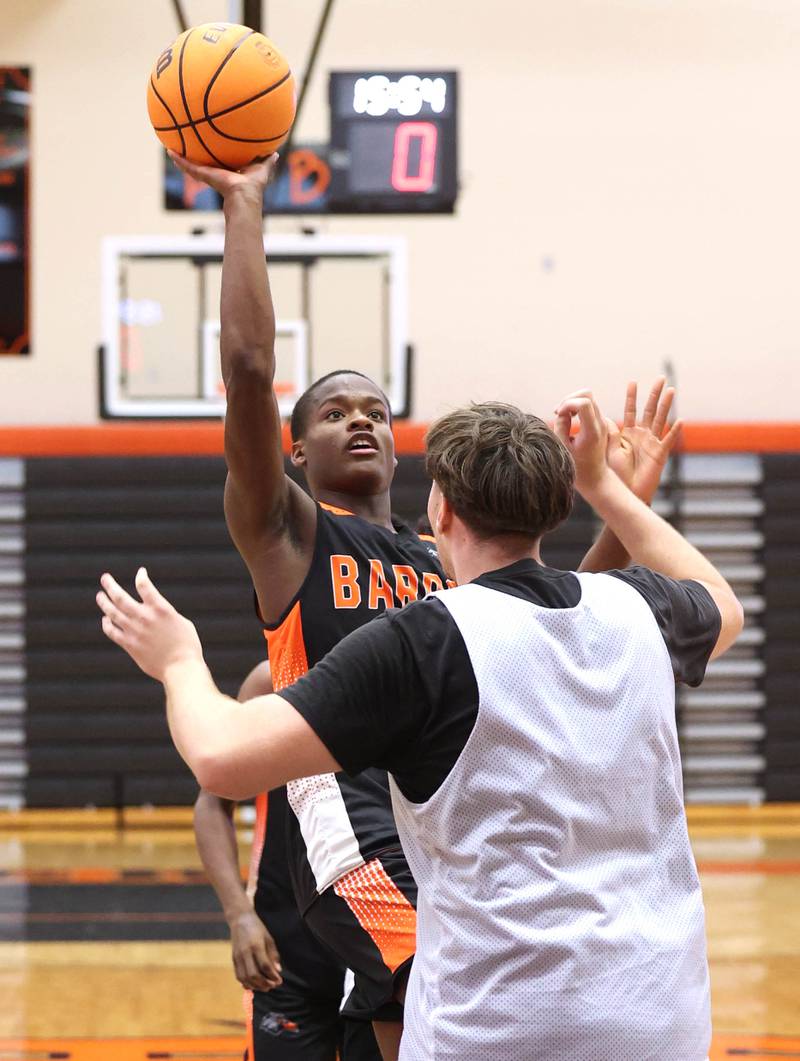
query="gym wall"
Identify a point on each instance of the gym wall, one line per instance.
(629, 175)
(79, 724)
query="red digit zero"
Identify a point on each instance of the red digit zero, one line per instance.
(427, 134)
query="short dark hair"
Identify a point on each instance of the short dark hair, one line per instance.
(302, 407)
(502, 470)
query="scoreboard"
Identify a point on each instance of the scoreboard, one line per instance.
(393, 142)
(392, 150)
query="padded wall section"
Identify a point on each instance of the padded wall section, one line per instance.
(782, 625)
(95, 727)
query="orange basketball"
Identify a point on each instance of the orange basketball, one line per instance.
(221, 95)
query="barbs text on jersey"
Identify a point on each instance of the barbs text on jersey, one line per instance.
(390, 588)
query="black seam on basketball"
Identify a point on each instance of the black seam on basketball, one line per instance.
(251, 139)
(219, 70)
(180, 77)
(191, 121)
(228, 110)
(176, 128)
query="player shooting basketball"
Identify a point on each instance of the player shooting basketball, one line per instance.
(527, 720)
(323, 567)
(320, 568)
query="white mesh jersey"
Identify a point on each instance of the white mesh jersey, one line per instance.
(560, 913)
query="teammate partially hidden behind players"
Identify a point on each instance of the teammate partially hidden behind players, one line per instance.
(527, 719)
(298, 988)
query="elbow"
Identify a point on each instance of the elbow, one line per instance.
(248, 365)
(737, 617)
(732, 614)
(221, 779)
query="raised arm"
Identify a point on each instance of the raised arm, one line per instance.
(638, 453)
(255, 957)
(266, 512)
(648, 539)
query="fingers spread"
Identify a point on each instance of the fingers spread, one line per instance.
(146, 588)
(649, 411)
(662, 412)
(112, 632)
(670, 440)
(629, 416)
(124, 601)
(111, 611)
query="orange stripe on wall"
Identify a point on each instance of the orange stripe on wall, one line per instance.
(205, 438)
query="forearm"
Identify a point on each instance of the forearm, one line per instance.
(647, 538)
(247, 340)
(215, 834)
(238, 750)
(199, 716)
(606, 554)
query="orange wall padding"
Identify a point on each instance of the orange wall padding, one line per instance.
(204, 438)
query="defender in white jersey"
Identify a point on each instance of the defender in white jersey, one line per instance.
(527, 721)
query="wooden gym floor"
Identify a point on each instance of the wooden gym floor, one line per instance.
(112, 949)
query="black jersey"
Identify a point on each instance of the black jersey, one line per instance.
(358, 570)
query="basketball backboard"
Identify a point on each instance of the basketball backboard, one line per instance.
(341, 302)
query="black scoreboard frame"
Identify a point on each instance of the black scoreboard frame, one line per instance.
(426, 142)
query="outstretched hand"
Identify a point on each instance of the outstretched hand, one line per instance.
(151, 631)
(638, 451)
(255, 176)
(589, 445)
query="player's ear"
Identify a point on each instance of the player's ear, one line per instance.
(444, 516)
(297, 454)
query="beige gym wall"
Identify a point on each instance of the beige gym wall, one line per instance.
(630, 174)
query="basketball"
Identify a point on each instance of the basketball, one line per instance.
(221, 95)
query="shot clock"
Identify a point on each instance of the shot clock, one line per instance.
(393, 142)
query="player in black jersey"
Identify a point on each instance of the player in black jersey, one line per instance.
(295, 985)
(320, 568)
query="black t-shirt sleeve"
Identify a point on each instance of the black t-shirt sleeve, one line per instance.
(398, 693)
(687, 617)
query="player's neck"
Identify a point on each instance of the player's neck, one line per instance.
(471, 559)
(375, 508)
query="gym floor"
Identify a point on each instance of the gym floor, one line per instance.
(112, 947)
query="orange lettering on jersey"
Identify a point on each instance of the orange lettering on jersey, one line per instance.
(407, 583)
(379, 590)
(344, 578)
(451, 584)
(431, 582)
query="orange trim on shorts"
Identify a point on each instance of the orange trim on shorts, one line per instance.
(247, 1003)
(382, 911)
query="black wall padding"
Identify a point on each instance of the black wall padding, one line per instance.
(781, 621)
(96, 730)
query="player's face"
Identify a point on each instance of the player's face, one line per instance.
(348, 446)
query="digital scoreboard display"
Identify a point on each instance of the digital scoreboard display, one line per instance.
(393, 142)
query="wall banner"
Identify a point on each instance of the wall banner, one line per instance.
(15, 105)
